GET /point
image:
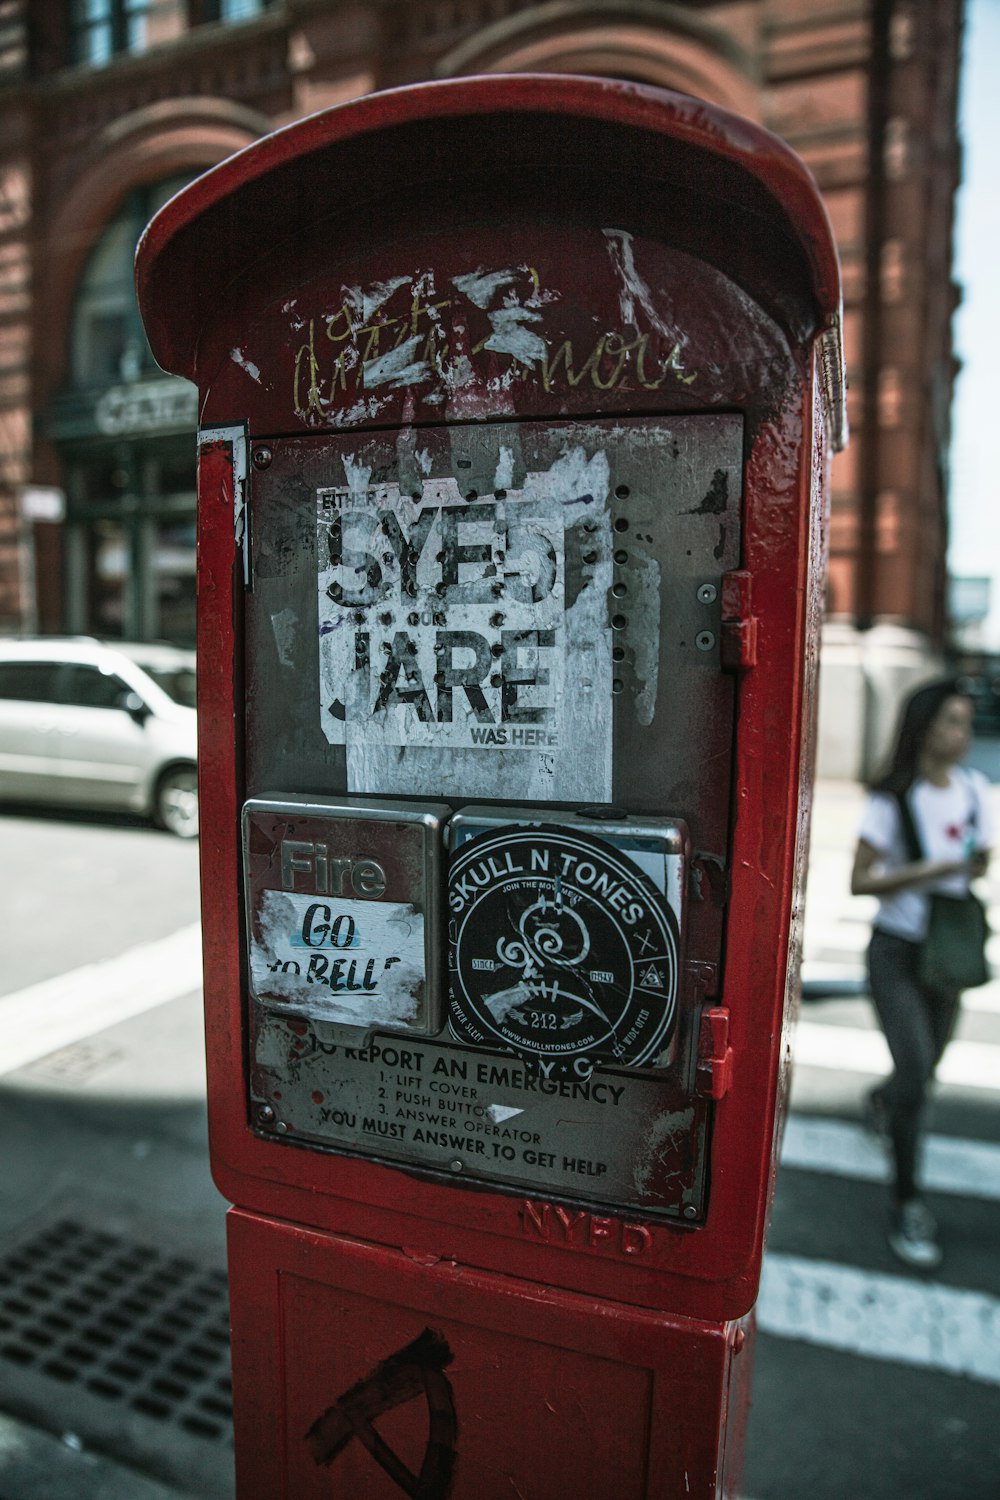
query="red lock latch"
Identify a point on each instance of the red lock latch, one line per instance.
(739, 624)
(715, 1056)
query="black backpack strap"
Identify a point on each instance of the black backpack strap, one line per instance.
(911, 838)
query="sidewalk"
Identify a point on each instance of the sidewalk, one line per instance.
(114, 1323)
(837, 924)
(110, 1132)
(37, 1466)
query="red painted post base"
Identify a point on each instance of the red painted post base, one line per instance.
(362, 1371)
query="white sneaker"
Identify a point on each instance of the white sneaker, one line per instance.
(913, 1236)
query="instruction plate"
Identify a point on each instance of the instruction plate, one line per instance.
(614, 1138)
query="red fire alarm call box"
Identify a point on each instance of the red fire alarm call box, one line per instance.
(517, 399)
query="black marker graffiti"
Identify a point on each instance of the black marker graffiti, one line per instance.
(416, 1370)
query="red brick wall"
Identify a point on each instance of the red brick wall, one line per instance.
(875, 120)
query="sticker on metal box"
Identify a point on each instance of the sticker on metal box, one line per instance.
(343, 908)
(564, 949)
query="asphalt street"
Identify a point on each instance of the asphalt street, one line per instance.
(871, 1383)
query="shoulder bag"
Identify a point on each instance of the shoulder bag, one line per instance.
(953, 954)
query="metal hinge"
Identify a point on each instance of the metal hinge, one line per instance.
(739, 624)
(714, 1074)
(701, 979)
(708, 878)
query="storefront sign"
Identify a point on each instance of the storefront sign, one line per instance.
(167, 405)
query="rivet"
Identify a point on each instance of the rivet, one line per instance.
(455, 1166)
(265, 1114)
(707, 593)
(704, 640)
(262, 456)
(280, 1127)
(690, 1212)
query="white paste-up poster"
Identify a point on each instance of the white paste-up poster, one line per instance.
(454, 623)
(357, 962)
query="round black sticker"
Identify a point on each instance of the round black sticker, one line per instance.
(562, 949)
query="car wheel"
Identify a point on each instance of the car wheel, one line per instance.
(176, 807)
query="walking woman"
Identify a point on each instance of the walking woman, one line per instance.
(925, 829)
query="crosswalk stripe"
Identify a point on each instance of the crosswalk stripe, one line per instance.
(969, 1169)
(840, 937)
(881, 1316)
(986, 999)
(853, 1050)
(53, 1014)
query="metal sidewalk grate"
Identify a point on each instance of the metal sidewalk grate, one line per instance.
(123, 1321)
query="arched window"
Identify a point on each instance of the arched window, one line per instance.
(124, 431)
(644, 41)
(107, 343)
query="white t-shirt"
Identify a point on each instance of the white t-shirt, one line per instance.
(951, 821)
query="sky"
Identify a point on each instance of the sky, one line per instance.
(975, 512)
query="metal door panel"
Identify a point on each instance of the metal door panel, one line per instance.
(621, 530)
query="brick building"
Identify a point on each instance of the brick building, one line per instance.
(108, 106)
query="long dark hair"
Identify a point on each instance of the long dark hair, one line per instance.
(916, 717)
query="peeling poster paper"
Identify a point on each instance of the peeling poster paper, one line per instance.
(357, 962)
(445, 626)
